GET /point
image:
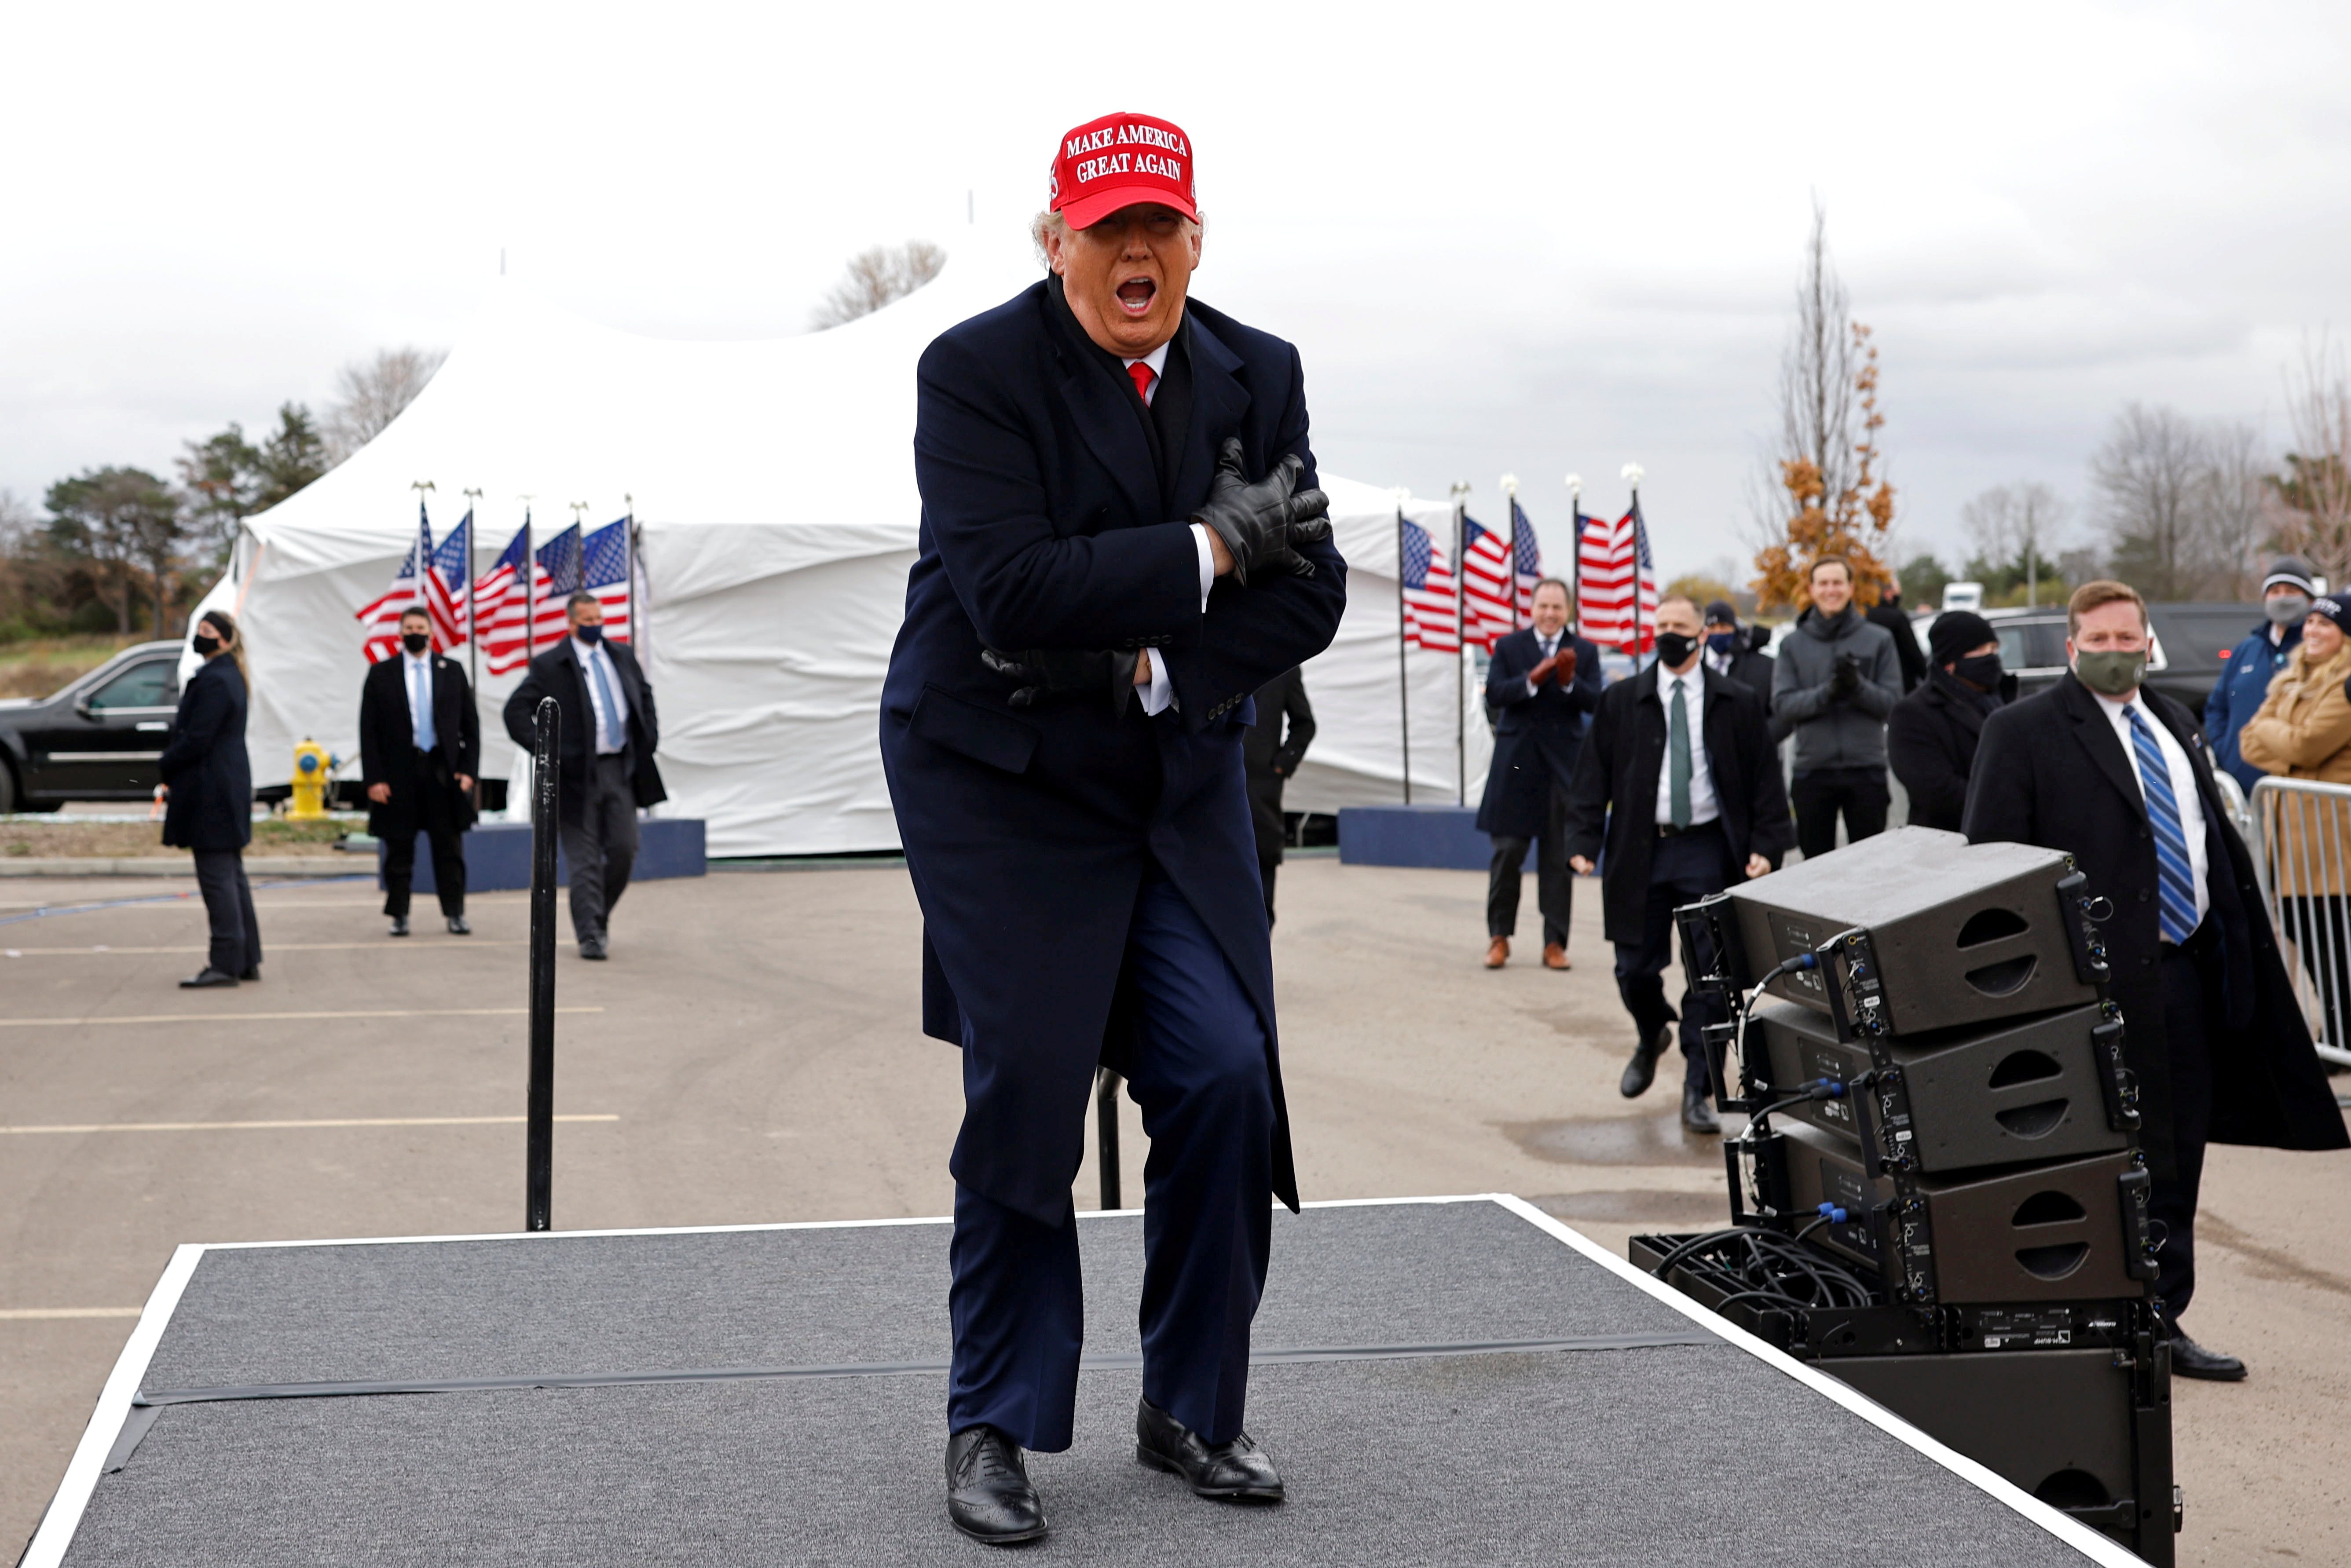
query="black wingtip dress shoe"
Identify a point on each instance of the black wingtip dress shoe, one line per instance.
(400, 925)
(1698, 1116)
(1237, 1471)
(205, 978)
(1643, 1069)
(592, 947)
(989, 1497)
(457, 926)
(2189, 1359)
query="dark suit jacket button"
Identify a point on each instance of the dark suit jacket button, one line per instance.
(2142, 895)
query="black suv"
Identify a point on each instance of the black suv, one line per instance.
(99, 739)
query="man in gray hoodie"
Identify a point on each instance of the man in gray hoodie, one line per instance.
(1834, 682)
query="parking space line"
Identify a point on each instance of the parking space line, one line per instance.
(268, 947)
(282, 1126)
(35, 1315)
(263, 1017)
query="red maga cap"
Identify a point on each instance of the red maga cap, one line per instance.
(1116, 161)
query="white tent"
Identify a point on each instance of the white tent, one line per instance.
(774, 486)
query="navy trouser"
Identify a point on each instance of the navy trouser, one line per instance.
(1683, 868)
(2191, 978)
(1201, 1078)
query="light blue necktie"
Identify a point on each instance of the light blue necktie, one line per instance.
(420, 703)
(2174, 870)
(605, 722)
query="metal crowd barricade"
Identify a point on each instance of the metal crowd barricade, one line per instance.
(2301, 840)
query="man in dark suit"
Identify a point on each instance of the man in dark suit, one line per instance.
(1680, 772)
(2120, 778)
(606, 768)
(1541, 685)
(1271, 755)
(1738, 652)
(1931, 736)
(420, 746)
(1099, 586)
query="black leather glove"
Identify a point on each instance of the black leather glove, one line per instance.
(1262, 523)
(1846, 683)
(1107, 672)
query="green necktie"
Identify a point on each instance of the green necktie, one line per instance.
(1678, 771)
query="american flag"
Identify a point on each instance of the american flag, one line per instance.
(416, 584)
(605, 569)
(502, 602)
(1429, 599)
(453, 564)
(557, 579)
(1489, 596)
(1528, 550)
(1616, 586)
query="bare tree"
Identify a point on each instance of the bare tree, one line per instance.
(18, 521)
(875, 277)
(372, 393)
(2314, 493)
(2016, 523)
(2238, 509)
(2146, 476)
(1817, 371)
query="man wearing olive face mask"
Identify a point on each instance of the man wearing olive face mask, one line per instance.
(2120, 778)
(2251, 665)
(1930, 741)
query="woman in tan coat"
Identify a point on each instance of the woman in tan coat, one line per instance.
(2303, 730)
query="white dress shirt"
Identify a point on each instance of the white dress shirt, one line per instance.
(1704, 808)
(417, 678)
(2183, 785)
(612, 728)
(1160, 693)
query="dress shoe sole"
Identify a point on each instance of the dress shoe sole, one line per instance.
(2206, 1375)
(1155, 1462)
(1015, 1538)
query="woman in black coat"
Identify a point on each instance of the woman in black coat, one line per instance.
(209, 782)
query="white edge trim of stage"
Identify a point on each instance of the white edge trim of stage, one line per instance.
(2098, 1548)
(47, 1548)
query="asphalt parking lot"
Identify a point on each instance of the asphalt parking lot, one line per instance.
(753, 1053)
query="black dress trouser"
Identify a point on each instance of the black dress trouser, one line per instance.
(228, 910)
(437, 819)
(602, 845)
(1818, 795)
(1683, 867)
(2191, 985)
(1554, 884)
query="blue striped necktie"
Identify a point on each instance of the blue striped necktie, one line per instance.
(2174, 868)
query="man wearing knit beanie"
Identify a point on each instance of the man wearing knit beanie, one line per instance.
(1930, 738)
(2247, 669)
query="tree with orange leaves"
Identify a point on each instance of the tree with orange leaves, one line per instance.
(1839, 506)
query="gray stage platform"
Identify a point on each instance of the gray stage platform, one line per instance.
(1460, 1380)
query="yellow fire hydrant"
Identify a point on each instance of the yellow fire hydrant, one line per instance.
(314, 769)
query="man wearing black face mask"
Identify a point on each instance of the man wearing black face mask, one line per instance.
(1930, 740)
(1736, 655)
(420, 746)
(1679, 772)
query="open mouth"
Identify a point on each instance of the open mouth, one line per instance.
(1135, 295)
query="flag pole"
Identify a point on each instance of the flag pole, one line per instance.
(1576, 539)
(473, 628)
(1632, 473)
(1460, 639)
(529, 587)
(1403, 681)
(629, 568)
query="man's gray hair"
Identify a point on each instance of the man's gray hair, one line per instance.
(1052, 223)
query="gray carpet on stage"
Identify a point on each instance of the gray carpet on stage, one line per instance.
(1697, 1455)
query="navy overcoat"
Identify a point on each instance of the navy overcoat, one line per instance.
(1536, 739)
(211, 806)
(1053, 517)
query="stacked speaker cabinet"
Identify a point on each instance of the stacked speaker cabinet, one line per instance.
(1940, 1105)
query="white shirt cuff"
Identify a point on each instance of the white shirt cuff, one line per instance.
(1160, 693)
(1207, 572)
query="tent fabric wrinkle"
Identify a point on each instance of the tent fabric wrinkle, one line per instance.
(774, 494)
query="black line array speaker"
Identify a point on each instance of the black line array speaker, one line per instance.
(1958, 933)
(2088, 1431)
(2061, 1230)
(2035, 1088)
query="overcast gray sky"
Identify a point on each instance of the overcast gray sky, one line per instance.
(1537, 237)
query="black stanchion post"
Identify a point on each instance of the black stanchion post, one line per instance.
(1106, 1121)
(538, 1141)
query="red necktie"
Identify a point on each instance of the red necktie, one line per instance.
(1143, 376)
